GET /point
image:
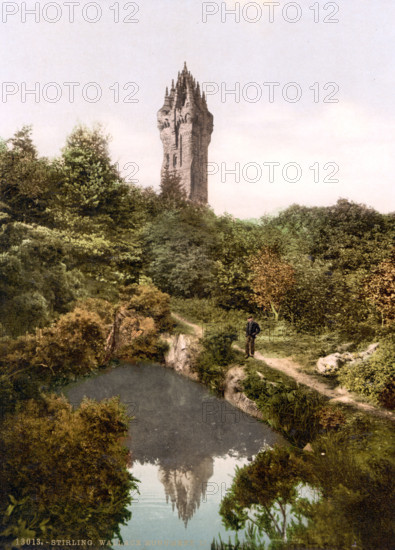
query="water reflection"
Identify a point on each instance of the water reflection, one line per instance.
(185, 488)
(179, 428)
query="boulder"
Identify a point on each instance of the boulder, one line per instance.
(183, 349)
(331, 363)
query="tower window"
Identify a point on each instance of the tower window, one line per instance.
(167, 161)
(174, 161)
(180, 150)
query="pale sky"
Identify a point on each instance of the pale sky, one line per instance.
(350, 61)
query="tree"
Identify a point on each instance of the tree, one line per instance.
(90, 180)
(379, 289)
(355, 472)
(26, 181)
(22, 142)
(179, 252)
(35, 280)
(375, 377)
(236, 241)
(349, 235)
(271, 279)
(172, 193)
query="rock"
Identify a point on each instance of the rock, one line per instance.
(233, 392)
(181, 354)
(308, 448)
(369, 351)
(331, 363)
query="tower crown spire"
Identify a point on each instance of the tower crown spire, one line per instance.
(186, 125)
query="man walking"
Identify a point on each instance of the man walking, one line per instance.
(252, 330)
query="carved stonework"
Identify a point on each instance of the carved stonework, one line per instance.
(186, 125)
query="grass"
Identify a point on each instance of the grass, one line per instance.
(253, 366)
(182, 328)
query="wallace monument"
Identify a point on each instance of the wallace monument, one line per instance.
(186, 125)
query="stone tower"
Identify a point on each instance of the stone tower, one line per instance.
(186, 125)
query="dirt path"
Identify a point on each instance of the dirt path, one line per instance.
(292, 369)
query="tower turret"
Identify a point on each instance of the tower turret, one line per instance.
(186, 125)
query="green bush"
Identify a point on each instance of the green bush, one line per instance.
(37, 281)
(374, 378)
(199, 310)
(218, 343)
(290, 409)
(64, 471)
(73, 346)
(211, 363)
(253, 541)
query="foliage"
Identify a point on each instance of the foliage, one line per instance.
(345, 234)
(379, 288)
(172, 194)
(288, 408)
(16, 386)
(73, 346)
(147, 300)
(198, 310)
(331, 418)
(138, 339)
(35, 280)
(373, 377)
(271, 280)
(350, 465)
(211, 363)
(90, 180)
(323, 300)
(109, 260)
(179, 245)
(265, 494)
(252, 541)
(27, 182)
(236, 242)
(104, 309)
(355, 470)
(71, 470)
